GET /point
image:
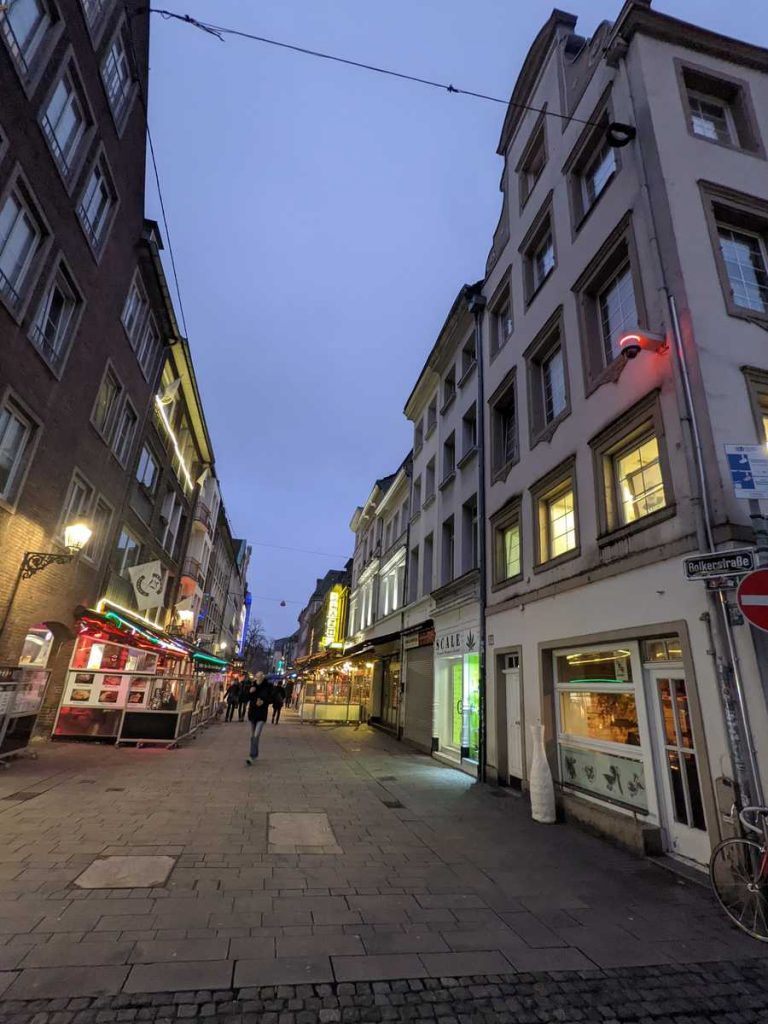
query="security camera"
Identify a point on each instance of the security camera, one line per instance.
(635, 342)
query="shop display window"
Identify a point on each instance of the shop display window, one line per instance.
(664, 649)
(581, 667)
(37, 647)
(611, 717)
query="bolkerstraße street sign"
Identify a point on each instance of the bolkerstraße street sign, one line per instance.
(737, 562)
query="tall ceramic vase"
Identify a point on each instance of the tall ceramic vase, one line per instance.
(541, 786)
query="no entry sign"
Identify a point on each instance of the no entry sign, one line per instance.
(753, 598)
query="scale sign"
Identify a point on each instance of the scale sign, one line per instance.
(737, 562)
(748, 464)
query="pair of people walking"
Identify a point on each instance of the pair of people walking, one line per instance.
(236, 697)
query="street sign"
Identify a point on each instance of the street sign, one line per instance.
(752, 598)
(748, 464)
(737, 562)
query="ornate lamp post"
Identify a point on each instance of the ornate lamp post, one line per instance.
(76, 536)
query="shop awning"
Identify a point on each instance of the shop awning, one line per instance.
(369, 645)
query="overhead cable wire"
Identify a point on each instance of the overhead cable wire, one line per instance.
(220, 31)
(302, 551)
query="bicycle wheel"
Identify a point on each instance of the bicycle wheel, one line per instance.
(738, 873)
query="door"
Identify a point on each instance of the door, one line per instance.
(471, 708)
(514, 716)
(681, 806)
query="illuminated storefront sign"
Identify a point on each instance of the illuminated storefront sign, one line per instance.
(331, 635)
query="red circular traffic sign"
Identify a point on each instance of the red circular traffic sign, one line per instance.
(752, 596)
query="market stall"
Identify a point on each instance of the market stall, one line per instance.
(22, 689)
(339, 693)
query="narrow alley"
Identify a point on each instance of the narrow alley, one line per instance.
(341, 867)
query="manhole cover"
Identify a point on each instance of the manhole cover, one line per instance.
(126, 873)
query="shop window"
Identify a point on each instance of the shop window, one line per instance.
(662, 649)
(548, 392)
(18, 434)
(556, 516)
(538, 252)
(449, 388)
(23, 235)
(718, 109)
(428, 582)
(470, 538)
(67, 123)
(431, 416)
(532, 161)
(468, 358)
(631, 464)
(738, 227)
(507, 549)
(469, 433)
(504, 427)
(449, 459)
(448, 563)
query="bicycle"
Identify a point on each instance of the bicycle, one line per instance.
(738, 870)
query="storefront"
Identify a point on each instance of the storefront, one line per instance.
(22, 689)
(626, 738)
(418, 659)
(337, 692)
(127, 683)
(457, 695)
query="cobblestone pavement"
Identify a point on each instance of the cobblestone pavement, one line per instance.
(360, 879)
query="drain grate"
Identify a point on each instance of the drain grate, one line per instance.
(392, 803)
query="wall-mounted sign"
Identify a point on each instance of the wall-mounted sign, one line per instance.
(333, 618)
(147, 580)
(450, 643)
(737, 562)
(422, 638)
(748, 464)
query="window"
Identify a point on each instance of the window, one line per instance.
(107, 400)
(431, 416)
(416, 496)
(532, 161)
(508, 552)
(504, 432)
(65, 122)
(78, 502)
(470, 538)
(100, 523)
(538, 251)
(21, 238)
(598, 171)
(449, 387)
(448, 551)
(413, 575)
(17, 432)
(147, 471)
(124, 434)
(718, 109)
(170, 518)
(53, 327)
(757, 389)
(469, 431)
(404, 517)
(135, 312)
(429, 481)
(744, 256)
(449, 458)
(502, 325)
(127, 553)
(428, 564)
(418, 436)
(468, 357)
(554, 500)
(592, 163)
(97, 204)
(553, 384)
(24, 25)
(631, 467)
(95, 11)
(148, 352)
(617, 309)
(118, 77)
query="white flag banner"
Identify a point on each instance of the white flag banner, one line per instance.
(147, 580)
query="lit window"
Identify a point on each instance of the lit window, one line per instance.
(618, 311)
(543, 260)
(116, 72)
(557, 522)
(16, 433)
(51, 330)
(20, 238)
(124, 434)
(24, 25)
(100, 522)
(106, 404)
(639, 481)
(553, 384)
(78, 502)
(64, 123)
(711, 118)
(744, 255)
(507, 552)
(97, 205)
(597, 173)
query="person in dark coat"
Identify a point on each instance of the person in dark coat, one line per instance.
(278, 699)
(288, 693)
(232, 697)
(242, 704)
(260, 697)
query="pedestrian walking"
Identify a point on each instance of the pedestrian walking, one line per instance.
(278, 699)
(232, 697)
(288, 693)
(242, 704)
(260, 697)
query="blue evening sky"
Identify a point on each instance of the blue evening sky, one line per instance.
(323, 219)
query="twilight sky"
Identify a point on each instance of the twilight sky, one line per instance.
(323, 220)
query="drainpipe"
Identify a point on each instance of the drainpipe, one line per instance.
(404, 602)
(735, 714)
(476, 305)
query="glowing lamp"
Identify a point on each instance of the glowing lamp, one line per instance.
(76, 536)
(633, 343)
(185, 614)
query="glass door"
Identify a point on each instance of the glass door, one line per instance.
(471, 707)
(678, 767)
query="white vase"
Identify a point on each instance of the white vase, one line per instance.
(541, 786)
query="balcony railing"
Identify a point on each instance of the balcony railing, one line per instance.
(203, 515)
(194, 570)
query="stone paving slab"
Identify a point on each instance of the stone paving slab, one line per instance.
(383, 967)
(285, 971)
(78, 954)
(53, 982)
(165, 977)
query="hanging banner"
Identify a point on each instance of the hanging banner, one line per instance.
(147, 580)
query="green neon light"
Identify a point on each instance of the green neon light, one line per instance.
(198, 656)
(573, 682)
(114, 617)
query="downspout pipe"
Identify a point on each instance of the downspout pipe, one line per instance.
(476, 304)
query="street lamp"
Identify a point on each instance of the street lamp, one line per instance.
(76, 536)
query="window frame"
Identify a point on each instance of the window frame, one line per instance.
(108, 431)
(97, 26)
(96, 555)
(448, 399)
(59, 270)
(468, 451)
(619, 247)
(589, 143)
(470, 531)
(541, 227)
(643, 420)
(97, 245)
(122, 571)
(549, 338)
(468, 366)
(736, 96)
(430, 477)
(123, 452)
(500, 465)
(70, 173)
(449, 521)
(510, 514)
(756, 381)
(537, 141)
(736, 211)
(121, 115)
(64, 515)
(18, 184)
(558, 481)
(447, 476)
(501, 299)
(134, 334)
(151, 491)
(431, 417)
(23, 462)
(29, 72)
